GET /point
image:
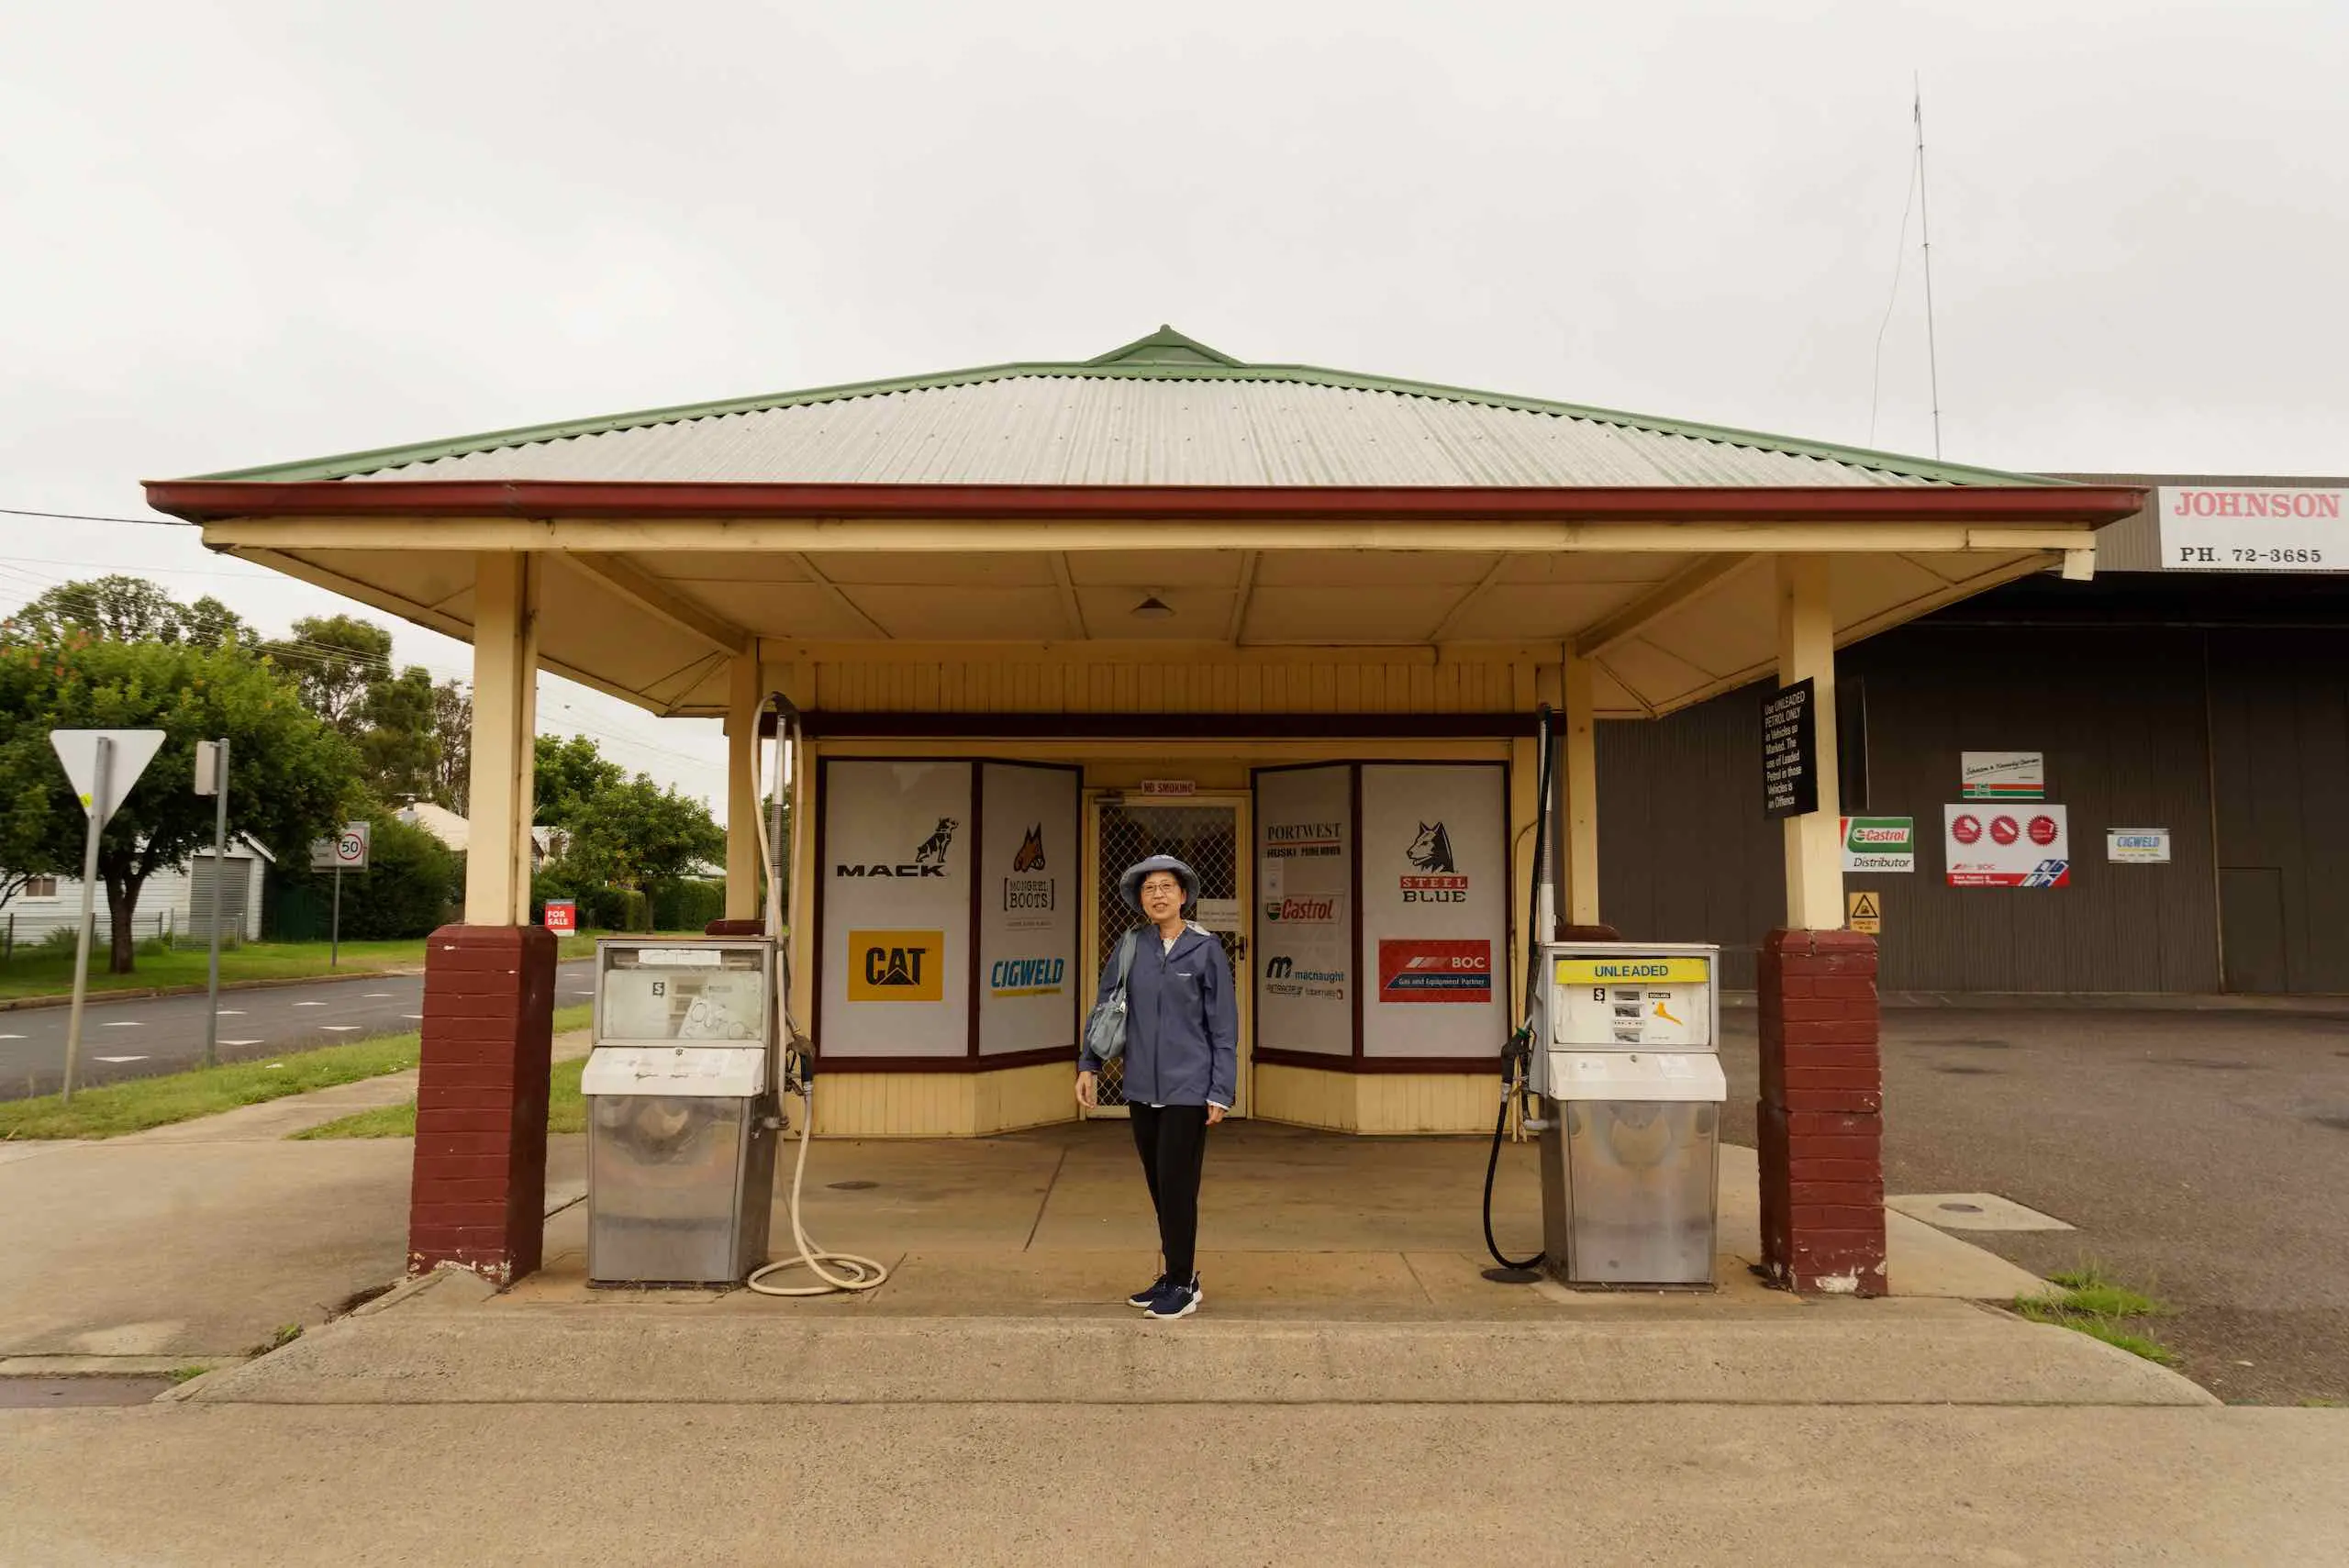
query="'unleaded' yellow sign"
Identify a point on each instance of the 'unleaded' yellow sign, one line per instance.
(1633, 970)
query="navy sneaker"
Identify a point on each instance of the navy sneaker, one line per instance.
(1147, 1292)
(1176, 1300)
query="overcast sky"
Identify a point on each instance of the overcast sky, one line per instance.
(239, 232)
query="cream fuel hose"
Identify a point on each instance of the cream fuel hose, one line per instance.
(833, 1270)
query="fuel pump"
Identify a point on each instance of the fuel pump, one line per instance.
(1616, 1069)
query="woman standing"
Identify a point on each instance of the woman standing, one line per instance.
(1182, 1062)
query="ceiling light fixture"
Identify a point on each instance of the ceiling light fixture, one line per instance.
(1153, 608)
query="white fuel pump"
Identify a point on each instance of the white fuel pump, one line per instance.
(1616, 1069)
(833, 1271)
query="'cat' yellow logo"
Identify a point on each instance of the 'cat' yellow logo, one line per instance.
(897, 966)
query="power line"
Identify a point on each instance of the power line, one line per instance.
(91, 517)
(1899, 261)
(295, 651)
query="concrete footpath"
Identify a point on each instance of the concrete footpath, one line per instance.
(1207, 1485)
(1355, 1390)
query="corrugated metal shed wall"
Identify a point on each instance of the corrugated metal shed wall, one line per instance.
(1684, 853)
(2279, 725)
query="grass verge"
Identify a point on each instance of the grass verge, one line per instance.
(2089, 1303)
(566, 1112)
(113, 1109)
(47, 970)
(43, 972)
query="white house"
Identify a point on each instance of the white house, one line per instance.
(455, 832)
(174, 901)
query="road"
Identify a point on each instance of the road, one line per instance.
(2203, 1156)
(164, 1034)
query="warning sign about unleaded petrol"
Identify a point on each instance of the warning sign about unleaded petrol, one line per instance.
(1435, 969)
(2007, 844)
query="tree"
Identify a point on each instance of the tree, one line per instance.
(335, 659)
(452, 725)
(570, 772)
(396, 744)
(411, 880)
(126, 609)
(636, 833)
(290, 775)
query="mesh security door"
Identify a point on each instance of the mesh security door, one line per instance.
(1204, 835)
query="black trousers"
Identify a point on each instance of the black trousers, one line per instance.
(1172, 1142)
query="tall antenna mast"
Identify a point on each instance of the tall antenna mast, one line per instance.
(1925, 220)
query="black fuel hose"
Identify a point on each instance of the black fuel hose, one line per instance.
(1492, 1166)
(1520, 1044)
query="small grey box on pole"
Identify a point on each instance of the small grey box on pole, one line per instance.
(212, 779)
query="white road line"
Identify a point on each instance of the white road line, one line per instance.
(122, 1059)
(232, 1012)
(309, 1004)
(374, 996)
(13, 1037)
(339, 1028)
(418, 1017)
(123, 1024)
(240, 1042)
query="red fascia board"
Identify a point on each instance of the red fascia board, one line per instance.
(213, 500)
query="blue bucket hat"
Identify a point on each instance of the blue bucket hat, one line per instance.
(1130, 884)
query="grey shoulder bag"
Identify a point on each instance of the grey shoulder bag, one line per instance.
(1105, 1031)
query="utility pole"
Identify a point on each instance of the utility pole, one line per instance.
(1925, 227)
(212, 775)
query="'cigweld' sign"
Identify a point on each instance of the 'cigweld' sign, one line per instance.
(2254, 527)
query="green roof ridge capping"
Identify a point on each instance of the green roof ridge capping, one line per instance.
(1163, 355)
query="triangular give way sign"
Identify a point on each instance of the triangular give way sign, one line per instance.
(127, 758)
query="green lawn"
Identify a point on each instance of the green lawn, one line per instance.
(116, 1109)
(566, 1112)
(45, 970)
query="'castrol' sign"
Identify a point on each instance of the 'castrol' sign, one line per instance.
(2254, 527)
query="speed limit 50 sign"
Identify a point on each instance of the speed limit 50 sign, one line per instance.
(346, 851)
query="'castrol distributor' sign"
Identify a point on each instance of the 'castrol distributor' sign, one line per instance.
(2022, 843)
(2254, 527)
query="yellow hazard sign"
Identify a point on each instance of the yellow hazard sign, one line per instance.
(1863, 912)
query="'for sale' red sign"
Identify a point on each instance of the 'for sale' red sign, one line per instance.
(1435, 969)
(562, 915)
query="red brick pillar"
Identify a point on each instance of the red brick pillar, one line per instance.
(479, 1196)
(1821, 1115)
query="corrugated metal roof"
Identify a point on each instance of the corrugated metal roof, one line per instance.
(1163, 410)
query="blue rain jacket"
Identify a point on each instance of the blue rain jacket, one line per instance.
(1182, 1021)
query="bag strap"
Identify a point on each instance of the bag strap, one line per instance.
(1125, 957)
